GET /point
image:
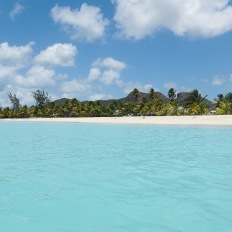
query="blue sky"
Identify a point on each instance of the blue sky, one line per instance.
(104, 49)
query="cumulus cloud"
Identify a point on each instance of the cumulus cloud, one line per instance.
(218, 81)
(94, 74)
(58, 54)
(127, 87)
(18, 9)
(138, 19)
(103, 73)
(107, 70)
(61, 76)
(7, 72)
(86, 23)
(23, 94)
(109, 76)
(110, 63)
(15, 54)
(12, 59)
(74, 86)
(20, 75)
(37, 76)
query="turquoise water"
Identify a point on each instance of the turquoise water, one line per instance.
(83, 177)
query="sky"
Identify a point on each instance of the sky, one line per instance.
(95, 50)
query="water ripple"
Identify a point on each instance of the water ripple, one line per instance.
(80, 177)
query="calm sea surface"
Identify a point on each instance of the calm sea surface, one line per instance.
(116, 178)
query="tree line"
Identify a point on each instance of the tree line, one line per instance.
(194, 104)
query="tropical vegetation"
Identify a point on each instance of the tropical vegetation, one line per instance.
(150, 104)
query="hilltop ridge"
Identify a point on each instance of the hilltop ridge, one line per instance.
(180, 99)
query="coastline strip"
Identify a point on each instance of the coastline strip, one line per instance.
(210, 120)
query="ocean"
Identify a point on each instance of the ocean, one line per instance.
(72, 177)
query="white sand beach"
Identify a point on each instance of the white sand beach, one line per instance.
(210, 120)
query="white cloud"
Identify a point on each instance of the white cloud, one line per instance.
(86, 24)
(14, 78)
(6, 72)
(138, 19)
(109, 76)
(37, 76)
(58, 54)
(15, 54)
(127, 87)
(94, 74)
(104, 72)
(218, 81)
(20, 75)
(110, 63)
(23, 94)
(74, 86)
(170, 84)
(61, 76)
(18, 9)
(107, 70)
(12, 59)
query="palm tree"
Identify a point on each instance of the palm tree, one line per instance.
(198, 109)
(127, 108)
(33, 111)
(225, 108)
(219, 99)
(23, 112)
(171, 94)
(228, 97)
(194, 97)
(41, 98)
(14, 101)
(135, 93)
(152, 94)
(145, 110)
(142, 107)
(157, 106)
(174, 107)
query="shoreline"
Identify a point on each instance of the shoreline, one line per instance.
(206, 120)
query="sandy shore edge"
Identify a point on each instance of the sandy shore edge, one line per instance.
(214, 120)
